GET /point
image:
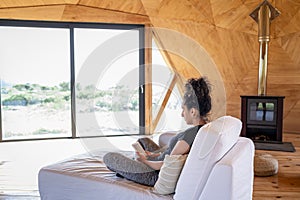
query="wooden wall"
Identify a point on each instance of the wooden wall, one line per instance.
(223, 28)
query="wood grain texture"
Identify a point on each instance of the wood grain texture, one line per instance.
(148, 81)
(51, 13)
(233, 15)
(164, 102)
(133, 6)
(80, 13)
(223, 29)
(33, 3)
(228, 36)
(285, 184)
(288, 22)
(232, 43)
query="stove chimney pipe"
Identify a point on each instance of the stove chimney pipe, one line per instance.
(263, 15)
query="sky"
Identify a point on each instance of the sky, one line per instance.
(30, 55)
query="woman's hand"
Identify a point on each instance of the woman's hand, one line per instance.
(150, 154)
(156, 165)
(141, 157)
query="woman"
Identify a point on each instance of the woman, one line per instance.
(195, 108)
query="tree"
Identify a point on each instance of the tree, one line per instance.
(22, 87)
(65, 86)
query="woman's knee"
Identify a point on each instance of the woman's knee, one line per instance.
(111, 159)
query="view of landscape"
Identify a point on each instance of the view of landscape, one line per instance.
(35, 110)
(32, 110)
(46, 111)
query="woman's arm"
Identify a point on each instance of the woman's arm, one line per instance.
(156, 165)
(180, 148)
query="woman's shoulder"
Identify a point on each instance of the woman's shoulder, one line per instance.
(193, 129)
(188, 131)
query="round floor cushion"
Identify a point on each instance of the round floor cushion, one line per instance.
(265, 165)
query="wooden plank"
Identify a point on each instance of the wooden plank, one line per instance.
(170, 62)
(288, 21)
(87, 14)
(151, 6)
(34, 3)
(132, 6)
(233, 15)
(285, 184)
(148, 81)
(72, 13)
(52, 13)
(185, 10)
(165, 101)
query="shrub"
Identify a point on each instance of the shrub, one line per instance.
(16, 100)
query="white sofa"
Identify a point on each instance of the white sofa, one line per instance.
(219, 166)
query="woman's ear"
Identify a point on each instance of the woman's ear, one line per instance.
(194, 112)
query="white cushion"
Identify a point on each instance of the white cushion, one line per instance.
(232, 176)
(211, 143)
(169, 174)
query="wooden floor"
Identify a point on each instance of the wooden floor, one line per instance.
(286, 184)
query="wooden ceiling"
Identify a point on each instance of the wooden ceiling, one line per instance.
(223, 28)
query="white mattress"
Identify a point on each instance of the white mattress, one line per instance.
(86, 177)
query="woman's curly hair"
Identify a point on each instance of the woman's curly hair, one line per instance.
(197, 95)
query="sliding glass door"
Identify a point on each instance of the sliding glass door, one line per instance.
(107, 81)
(35, 82)
(70, 79)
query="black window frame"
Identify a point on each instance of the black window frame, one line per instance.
(91, 25)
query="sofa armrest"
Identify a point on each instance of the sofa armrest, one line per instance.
(165, 137)
(232, 176)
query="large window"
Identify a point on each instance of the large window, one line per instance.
(107, 84)
(163, 76)
(35, 82)
(59, 77)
